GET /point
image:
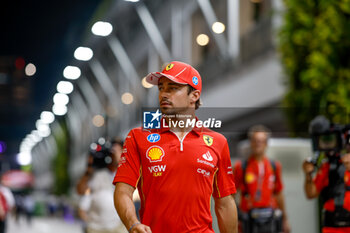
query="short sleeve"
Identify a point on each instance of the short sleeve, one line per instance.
(321, 178)
(223, 180)
(278, 177)
(129, 166)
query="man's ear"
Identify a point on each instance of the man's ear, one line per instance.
(195, 95)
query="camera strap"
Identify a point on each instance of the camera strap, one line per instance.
(336, 186)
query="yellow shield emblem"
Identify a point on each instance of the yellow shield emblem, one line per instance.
(169, 66)
(208, 140)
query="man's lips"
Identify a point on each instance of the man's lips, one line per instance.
(165, 103)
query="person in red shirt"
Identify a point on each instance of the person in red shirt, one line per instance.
(176, 169)
(260, 183)
(314, 186)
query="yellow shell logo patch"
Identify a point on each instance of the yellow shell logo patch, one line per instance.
(249, 178)
(155, 154)
(208, 140)
(169, 66)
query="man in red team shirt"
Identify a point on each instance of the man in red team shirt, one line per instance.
(176, 169)
(260, 183)
(333, 212)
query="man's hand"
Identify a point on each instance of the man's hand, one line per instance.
(308, 167)
(286, 226)
(140, 228)
(309, 186)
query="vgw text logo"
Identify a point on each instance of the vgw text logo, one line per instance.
(157, 170)
(151, 120)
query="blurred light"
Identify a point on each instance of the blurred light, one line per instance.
(98, 121)
(59, 110)
(30, 69)
(102, 28)
(83, 54)
(101, 141)
(146, 84)
(29, 142)
(35, 136)
(24, 158)
(93, 146)
(60, 99)
(45, 133)
(71, 72)
(202, 39)
(2, 147)
(218, 27)
(65, 87)
(127, 98)
(132, 0)
(41, 126)
(47, 117)
(20, 63)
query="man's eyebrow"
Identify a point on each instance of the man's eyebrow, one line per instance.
(175, 84)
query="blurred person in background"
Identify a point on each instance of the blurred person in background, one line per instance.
(176, 169)
(7, 203)
(259, 181)
(29, 207)
(96, 205)
(334, 190)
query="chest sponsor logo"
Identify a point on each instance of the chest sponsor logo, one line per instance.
(208, 140)
(153, 137)
(157, 170)
(205, 173)
(155, 154)
(249, 178)
(207, 156)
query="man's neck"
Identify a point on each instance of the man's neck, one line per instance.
(177, 127)
(258, 157)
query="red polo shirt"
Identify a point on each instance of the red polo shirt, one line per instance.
(262, 178)
(321, 181)
(176, 178)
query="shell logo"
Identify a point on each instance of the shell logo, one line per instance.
(155, 154)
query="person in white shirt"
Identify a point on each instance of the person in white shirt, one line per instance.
(96, 206)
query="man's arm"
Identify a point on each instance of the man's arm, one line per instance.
(226, 213)
(126, 209)
(309, 186)
(281, 206)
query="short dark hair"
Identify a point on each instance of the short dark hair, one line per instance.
(258, 128)
(117, 140)
(190, 89)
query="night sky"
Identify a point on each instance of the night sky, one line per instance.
(44, 33)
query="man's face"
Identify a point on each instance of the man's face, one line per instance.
(346, 161)
(116, 153)
(258, 143)
(174, 97)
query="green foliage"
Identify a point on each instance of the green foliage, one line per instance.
(315, 49)
(60, 162)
